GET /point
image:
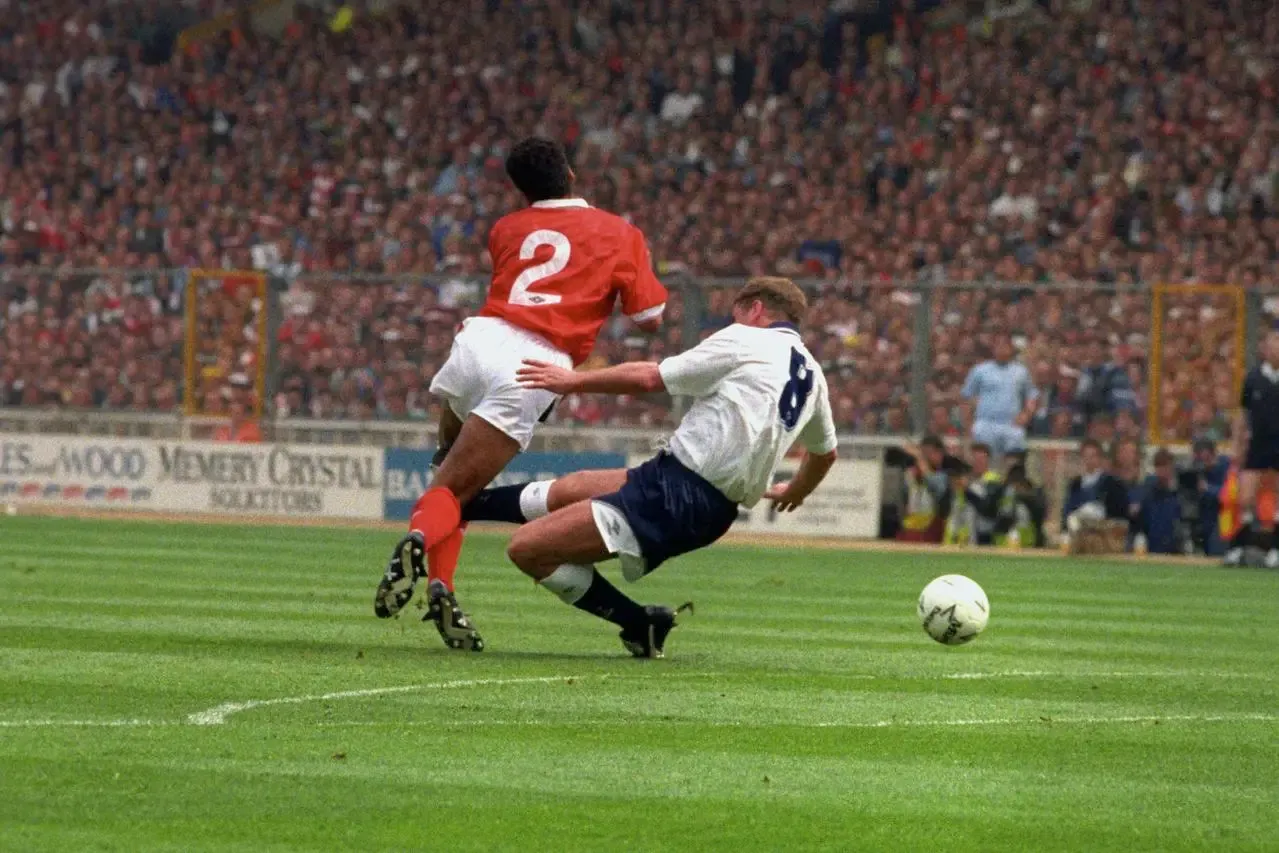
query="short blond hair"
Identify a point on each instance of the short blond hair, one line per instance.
(779, 295)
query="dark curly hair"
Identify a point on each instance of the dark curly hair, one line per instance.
(539, 168)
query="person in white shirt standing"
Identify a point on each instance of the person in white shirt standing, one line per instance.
(757, 392)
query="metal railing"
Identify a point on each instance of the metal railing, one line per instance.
(339, 349)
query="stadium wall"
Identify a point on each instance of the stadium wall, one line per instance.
(314, 481)
(284, 480)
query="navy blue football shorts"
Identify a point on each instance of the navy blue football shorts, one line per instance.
(663, 510)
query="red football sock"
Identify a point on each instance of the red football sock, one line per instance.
(441, 561)
(436, 516)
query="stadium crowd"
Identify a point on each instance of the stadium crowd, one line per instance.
(968, 496)
(1115, 143)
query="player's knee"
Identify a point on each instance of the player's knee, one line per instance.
(522, 551)
(463, 481)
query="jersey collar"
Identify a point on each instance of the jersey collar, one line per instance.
(552, 203)
(790, 327)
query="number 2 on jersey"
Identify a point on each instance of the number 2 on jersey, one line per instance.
(795, 393)
(520, 294)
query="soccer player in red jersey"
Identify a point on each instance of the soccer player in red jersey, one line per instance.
(559, 267)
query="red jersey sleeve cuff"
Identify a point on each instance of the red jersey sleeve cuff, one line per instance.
(649, 313)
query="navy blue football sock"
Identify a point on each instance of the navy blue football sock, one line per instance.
(498, 504)
(606, 601)
(586, 589)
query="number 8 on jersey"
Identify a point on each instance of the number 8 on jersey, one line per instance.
(795, 393)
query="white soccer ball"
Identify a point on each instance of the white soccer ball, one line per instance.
(953, 609)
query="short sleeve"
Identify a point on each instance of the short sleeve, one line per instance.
(699, 371)
(493, 244)
(818, 435)
(643, 296)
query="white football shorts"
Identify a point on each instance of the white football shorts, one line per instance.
(620, 539)
(479, 376)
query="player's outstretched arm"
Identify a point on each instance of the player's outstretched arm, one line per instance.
(814, 467)
(634, 377)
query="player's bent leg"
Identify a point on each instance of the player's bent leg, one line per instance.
(569, 535)
(525, 502)
(406, 566)
(560, 550)
(441, 561)
(445, 435)
(476, 457)
(442, 609)
(584, 485)
(479, 454)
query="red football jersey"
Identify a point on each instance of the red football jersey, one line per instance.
(559, 267)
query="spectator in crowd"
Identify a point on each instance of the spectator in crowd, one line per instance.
(1125, 466)
(1041, 416)
(1095, 494)
(240, 426)
(975, 506)
(1157, 526)
(1003, 398)
(1126, 426)
(1022, 511)
(1207, 477)
(928, 494)
(1103, 390)
(1101, 429)
(1125, 145)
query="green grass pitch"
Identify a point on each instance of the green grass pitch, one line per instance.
(191, 688)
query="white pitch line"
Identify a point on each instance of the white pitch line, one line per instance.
(99, 724)
(1044, 720)
(217, 715)
(1017, 673)
(1048, 720)
(1038, 673)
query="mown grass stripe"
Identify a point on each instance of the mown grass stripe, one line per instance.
(1139, 703)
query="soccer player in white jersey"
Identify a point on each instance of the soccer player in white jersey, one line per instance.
(757, 392)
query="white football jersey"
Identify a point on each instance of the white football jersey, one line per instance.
(757, 391)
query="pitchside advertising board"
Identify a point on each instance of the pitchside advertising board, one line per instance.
(846, 504)
(190, 476)
(337, 482)
(407, 474)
